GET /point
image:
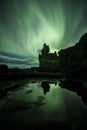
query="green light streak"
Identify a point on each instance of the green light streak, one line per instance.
(31, 23)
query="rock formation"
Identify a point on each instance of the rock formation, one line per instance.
(74, 59)
(47, 61)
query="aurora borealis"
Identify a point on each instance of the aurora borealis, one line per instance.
(26, 25)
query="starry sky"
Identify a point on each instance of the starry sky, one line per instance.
(26, 24)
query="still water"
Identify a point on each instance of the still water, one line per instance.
(26, 101)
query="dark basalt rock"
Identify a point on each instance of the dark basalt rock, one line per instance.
(3, 68)
(73, 60)
(47, 60)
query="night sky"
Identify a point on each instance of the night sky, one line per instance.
(26, 24)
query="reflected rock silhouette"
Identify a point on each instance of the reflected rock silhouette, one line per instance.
(75, 86)
(46, 87)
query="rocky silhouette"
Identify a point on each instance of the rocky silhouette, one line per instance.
(47, 60)
(73, 60)
(69, 63)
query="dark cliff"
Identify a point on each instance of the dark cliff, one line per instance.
(73, 60)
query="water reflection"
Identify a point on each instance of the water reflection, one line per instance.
(76, 86)
(31, 100)
(46, 86)
(8, 87)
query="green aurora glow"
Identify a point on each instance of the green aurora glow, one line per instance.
(26, 25)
